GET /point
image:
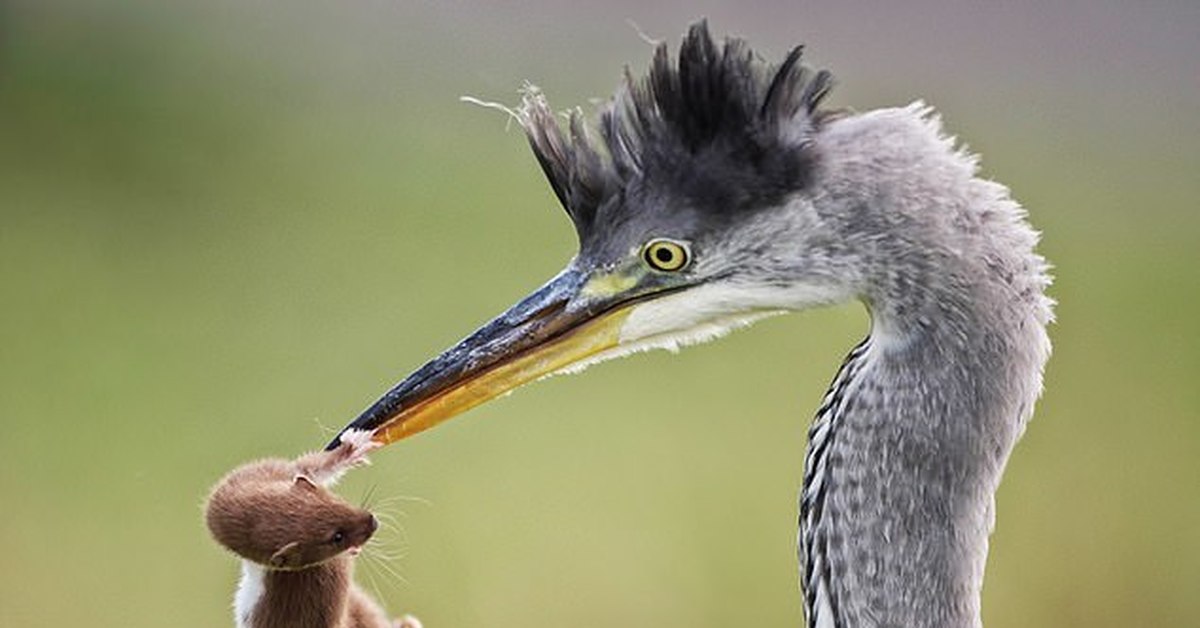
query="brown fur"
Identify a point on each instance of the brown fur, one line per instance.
(280, 515)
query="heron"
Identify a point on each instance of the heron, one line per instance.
(715, 191)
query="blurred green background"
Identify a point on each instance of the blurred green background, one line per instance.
(226, 227)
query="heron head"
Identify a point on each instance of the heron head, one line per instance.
(691, 199)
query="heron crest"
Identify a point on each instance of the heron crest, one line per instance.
(720, 126)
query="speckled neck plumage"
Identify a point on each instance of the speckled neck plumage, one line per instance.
(908, 448)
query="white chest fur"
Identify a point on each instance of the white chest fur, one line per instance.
(250, 591)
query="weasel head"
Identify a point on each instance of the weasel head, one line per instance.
(287, 525)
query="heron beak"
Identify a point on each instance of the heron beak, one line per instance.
(546, 332)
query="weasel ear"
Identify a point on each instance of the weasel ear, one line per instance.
(304, 482)
(287, 556)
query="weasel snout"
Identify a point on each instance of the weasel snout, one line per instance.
(365, 530)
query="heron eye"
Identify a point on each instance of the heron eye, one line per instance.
(666, 255)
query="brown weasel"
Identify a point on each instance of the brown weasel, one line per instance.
(297, 541)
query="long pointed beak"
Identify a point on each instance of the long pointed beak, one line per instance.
(544, 333)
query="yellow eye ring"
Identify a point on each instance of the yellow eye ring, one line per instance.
(666, 255)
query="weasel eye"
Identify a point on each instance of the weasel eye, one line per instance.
(338, 537)
(666, 255)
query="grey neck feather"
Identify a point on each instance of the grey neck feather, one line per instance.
(907, 450)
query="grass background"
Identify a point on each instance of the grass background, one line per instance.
(226, 227)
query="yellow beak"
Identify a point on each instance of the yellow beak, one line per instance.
(526, 366)
(569, 319)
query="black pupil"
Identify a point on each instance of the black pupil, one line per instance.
(664, 255)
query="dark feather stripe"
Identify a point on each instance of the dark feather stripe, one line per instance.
(813, 543)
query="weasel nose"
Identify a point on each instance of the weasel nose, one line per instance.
(372, 524)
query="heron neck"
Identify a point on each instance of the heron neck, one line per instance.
(904, 460)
